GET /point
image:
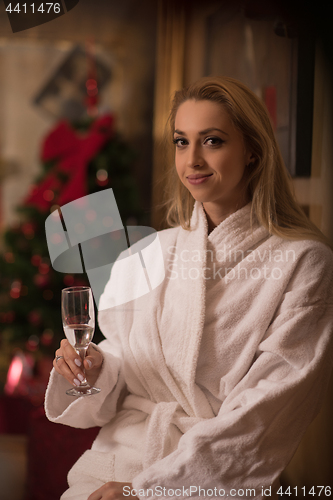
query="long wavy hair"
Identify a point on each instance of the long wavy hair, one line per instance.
(268, 181)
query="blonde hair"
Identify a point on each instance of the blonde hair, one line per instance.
(268, 181)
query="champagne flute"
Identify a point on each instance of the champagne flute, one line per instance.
(78, 319)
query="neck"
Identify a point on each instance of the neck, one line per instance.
(217, 214)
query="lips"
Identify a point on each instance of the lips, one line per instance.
(198, 178)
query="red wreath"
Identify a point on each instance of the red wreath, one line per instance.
(72, 152)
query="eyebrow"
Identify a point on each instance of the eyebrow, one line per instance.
(203, 132)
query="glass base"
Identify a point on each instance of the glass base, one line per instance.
(84, 391)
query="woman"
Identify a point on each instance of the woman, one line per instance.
(209, 381)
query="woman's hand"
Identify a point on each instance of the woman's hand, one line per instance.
(112, 491)
(70, 364)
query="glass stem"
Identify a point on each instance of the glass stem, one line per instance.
(82, 353)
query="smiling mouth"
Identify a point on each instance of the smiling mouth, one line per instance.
(198, 178)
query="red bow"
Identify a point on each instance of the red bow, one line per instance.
(73, 153)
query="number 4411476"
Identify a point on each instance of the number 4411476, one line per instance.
(324, 491)
(46, 7)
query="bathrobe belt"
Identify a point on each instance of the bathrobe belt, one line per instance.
(160, 417)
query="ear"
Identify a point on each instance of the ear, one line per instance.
(249, 158)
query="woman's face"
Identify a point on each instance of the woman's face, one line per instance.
(210, 155)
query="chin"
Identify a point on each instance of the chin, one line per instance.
(200, 199)
(203, 197)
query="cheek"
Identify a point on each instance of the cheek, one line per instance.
(231, 169)
(178, 164)
(237, 163)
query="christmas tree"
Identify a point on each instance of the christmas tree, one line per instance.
(77, 159)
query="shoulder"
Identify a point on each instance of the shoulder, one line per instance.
(310, 252)
(302, 249)
(311, 267)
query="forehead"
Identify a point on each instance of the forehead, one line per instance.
(202, 114)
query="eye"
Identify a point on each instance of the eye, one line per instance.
(180, 142)
(213, 141)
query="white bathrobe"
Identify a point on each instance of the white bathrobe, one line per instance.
(210, 380)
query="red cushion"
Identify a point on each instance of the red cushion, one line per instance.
(14, 414)
(52, 451)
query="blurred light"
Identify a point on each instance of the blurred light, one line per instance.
(35, 260)
(44, 268)
(56, 238)
(32, 343)
(91, 215)
(68, 280)
(39, 280)
(102, 174)
(48, 195)
(15, 289)
(28, 230)
(14, 374)
(47, 337)
(91, 84)
(9, 257)
(107, 221)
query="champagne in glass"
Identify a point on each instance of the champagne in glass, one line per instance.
(78, 318)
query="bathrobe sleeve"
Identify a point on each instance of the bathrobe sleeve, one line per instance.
(263, 418)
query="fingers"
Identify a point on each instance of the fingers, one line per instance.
(70, 365)
(93, 364)
(93, 359)
(113, 491)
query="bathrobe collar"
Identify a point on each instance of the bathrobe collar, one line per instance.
(233, 234)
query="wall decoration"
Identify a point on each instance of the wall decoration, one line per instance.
(64, 95)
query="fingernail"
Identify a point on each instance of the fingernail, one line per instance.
(77, 382)
(80, 377)
(77, 362)
(89, 363)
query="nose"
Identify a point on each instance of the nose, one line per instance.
(194, 158)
